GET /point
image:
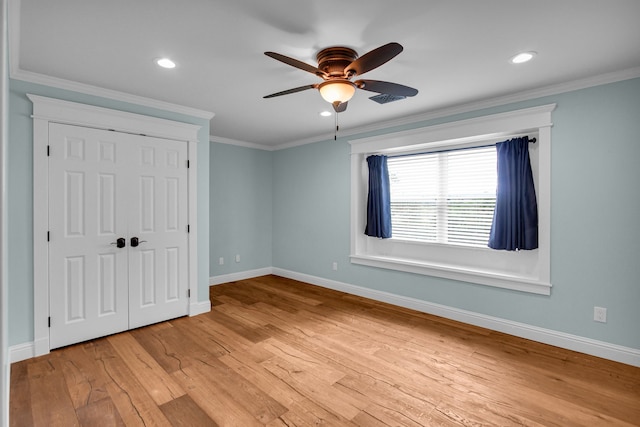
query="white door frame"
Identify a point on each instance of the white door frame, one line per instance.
(51, 110)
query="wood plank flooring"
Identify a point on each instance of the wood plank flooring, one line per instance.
(276, 352)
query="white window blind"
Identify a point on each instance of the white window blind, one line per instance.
(444, 197)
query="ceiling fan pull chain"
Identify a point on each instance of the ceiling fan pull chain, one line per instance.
(335, 135)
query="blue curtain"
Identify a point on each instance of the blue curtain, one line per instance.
(379, 199)
(515, 220)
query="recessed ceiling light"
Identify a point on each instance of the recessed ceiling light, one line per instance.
(523, 57)
(165, 63)
(325, 113)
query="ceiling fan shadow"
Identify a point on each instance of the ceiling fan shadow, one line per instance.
(293, 17)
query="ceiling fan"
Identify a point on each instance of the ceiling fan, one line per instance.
(337, 65)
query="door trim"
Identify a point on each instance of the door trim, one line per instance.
(51, 110)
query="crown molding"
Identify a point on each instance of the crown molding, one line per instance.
(36, 78)
(229, 141)
(258, 146)
(429, 115)
(16, 73)
(312, 139)
(527, 95)
(503, 100)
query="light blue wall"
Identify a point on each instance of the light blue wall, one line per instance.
(291, 209)
(311, 209)
(594, 218)
(20, 197)
(241, 207)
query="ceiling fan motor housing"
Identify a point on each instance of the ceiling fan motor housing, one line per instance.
(333, 60)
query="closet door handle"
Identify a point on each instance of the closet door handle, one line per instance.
(135, 242)
(120, 242)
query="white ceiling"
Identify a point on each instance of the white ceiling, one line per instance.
(456, 52)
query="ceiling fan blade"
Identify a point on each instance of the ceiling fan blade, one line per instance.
(296, 63)
(339, 107)
(373, 59)
(386, 87)
(294, 90)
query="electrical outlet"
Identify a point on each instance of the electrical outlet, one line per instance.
(335, 266)
(238, 258)
(600, 314)
(221, 261)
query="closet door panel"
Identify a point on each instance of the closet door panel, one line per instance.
(106, 186)
(158, 218)
(88, 280)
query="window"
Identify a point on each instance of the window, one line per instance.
(442, 229)
(444, 197)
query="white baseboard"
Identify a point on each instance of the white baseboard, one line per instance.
(242, 275)
(32, 349)
(617, 353)
(21, 352)
(199, 307)
(630, 356)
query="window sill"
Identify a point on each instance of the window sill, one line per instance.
(448, 271)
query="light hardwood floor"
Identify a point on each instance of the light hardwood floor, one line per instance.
(277, 352)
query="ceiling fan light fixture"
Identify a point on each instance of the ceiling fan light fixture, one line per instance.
(337, 90)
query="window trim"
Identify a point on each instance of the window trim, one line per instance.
(496, 127)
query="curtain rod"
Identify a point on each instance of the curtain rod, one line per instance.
(530, 140)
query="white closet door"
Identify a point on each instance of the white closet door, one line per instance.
(106, 186)
(158, 276)
(88, 272)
